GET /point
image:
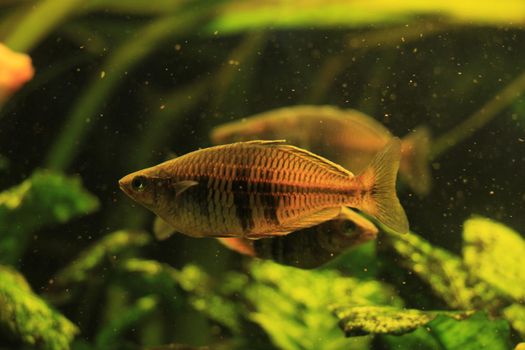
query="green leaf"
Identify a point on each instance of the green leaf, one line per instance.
(243, 15)
(28, 318)
(43, 199)
(93, 257)
(203, 296)
(299, 301)
(444, 272)
(445, 333)
(477, 332)
(359, 320)
(110, 335)
(496, 254)
(359, 262)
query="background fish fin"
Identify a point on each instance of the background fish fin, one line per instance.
(238, 244)
(265, 142)
(416, 171)
(363, 226)
(300, 223)
(182, 186)
(379, 179)
(364, 123)
(161, 229)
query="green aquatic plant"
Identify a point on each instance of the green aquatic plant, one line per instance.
(445, 333)
(43, 199)
(28, 318)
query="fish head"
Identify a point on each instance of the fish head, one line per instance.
(143, 187)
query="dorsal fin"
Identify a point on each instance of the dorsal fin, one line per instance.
(302, 153)
(327, 164)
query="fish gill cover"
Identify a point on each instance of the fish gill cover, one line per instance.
(92, 90)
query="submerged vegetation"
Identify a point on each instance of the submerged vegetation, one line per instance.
(120, 85)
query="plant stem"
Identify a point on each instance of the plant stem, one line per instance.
(39, 21)
(480, 118)
(83, 116)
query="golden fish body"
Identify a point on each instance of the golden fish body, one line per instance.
(262, 188)
(347, 137)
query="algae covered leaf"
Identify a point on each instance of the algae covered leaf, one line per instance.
(28, 318)
(359, 320)
(496, 254)
(45, 198)
(444, 272)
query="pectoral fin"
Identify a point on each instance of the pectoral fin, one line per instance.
(161, 229)
(182, 186)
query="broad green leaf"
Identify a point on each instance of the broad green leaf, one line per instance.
(43, 199)
(299, 301)
(359, 262)
(477, 332)
(496, 254)
(242, 15)
(359, 320)
(446, 333)
(27, 317)
(444, 272)
(102, 251)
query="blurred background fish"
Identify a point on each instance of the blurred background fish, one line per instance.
(347, 137)
(307, 248)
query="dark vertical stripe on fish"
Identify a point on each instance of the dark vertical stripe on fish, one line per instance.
(201, 196)
(241, 198)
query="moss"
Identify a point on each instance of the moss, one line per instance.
(359, 320)
(30, 319)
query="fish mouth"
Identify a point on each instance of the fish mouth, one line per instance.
(124, 185)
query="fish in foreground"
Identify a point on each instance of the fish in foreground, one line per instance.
(347, 137)
(308, 248)
(262, 189)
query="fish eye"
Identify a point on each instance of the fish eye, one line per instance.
(139, 183)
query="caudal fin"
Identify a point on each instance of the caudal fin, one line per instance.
(414, 168)
(379, 179)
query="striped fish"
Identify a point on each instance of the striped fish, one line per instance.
(262, 189)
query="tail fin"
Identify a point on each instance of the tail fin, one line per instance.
(379, 179)
(414, 168)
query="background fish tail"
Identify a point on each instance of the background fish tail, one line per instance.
(379, 179)
(416, 171)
